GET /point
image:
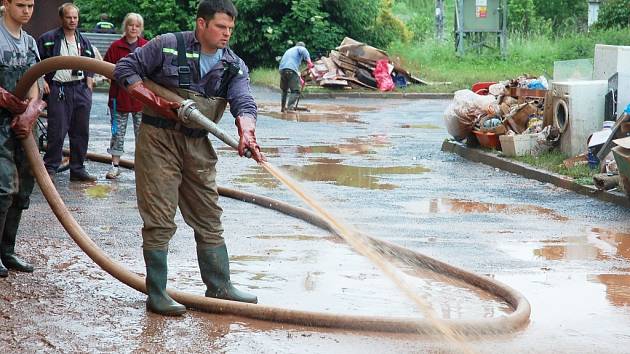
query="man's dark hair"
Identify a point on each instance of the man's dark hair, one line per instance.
(207, 9)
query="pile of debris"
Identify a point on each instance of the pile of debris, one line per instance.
(510, 115)
(352, 65)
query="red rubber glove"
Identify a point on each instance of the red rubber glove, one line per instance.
(22, 124)
(246, 132)
(161, 106)
(309, 65)
(12, 103)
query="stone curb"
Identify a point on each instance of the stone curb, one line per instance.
(528, 171)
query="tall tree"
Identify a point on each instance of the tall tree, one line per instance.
(614, 13)
(567, 15)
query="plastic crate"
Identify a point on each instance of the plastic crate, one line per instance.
(488, 140)
(518, 145)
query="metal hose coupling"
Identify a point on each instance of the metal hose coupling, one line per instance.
(186, 110)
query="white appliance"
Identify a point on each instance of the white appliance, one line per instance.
(623, 90)
(610, 59)
(578, 111)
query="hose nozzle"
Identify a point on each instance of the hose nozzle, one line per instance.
(188, 112)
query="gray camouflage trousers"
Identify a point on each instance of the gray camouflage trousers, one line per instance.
(16, 180)
(119, 129)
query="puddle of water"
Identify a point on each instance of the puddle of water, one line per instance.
(589, 309)
(317, 113)
(314, 117)
(249, 258)
(617, 288)
(98, 191)
(338, 280)
(460, 206)
(354, 146)
(598, 244)
(290, 237)
(359, 245)
(259, 177)
(570, 248)
(420, 126)
(619, 240)
(314, 107)
(331, 170)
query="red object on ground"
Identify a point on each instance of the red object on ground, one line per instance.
(488, 140)
(482, 88)
(383, 78)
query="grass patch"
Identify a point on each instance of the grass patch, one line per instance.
(552, 161)
(265, 77)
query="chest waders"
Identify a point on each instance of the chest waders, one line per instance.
(213, 260)
(211, 107)
(16, 181)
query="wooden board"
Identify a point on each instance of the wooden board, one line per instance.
(524, 92)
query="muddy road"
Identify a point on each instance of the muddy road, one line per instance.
(376, 164)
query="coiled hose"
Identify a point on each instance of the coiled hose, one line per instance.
(497, 325)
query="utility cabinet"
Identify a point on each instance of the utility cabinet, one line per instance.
(476, 21)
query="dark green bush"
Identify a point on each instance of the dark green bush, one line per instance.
(614, 14)
(547, 17)
(170, 15)
(265, 29)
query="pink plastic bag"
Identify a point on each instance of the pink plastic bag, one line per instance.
(383, 78)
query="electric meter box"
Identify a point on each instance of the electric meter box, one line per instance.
(481, 15)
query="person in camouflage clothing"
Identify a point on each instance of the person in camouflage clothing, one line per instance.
(19, 52)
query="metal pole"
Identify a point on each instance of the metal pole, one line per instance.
(504, 33)
(459, 35)
(439, 20)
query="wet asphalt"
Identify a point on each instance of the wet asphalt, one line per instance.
(377, 165)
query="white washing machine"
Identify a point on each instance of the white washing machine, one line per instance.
(578, 111)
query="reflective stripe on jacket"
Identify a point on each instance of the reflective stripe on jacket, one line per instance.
(49, 45)
(157, 60)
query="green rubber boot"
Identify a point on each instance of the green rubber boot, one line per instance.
(7, 246)
(215, 273)
(158, 300)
